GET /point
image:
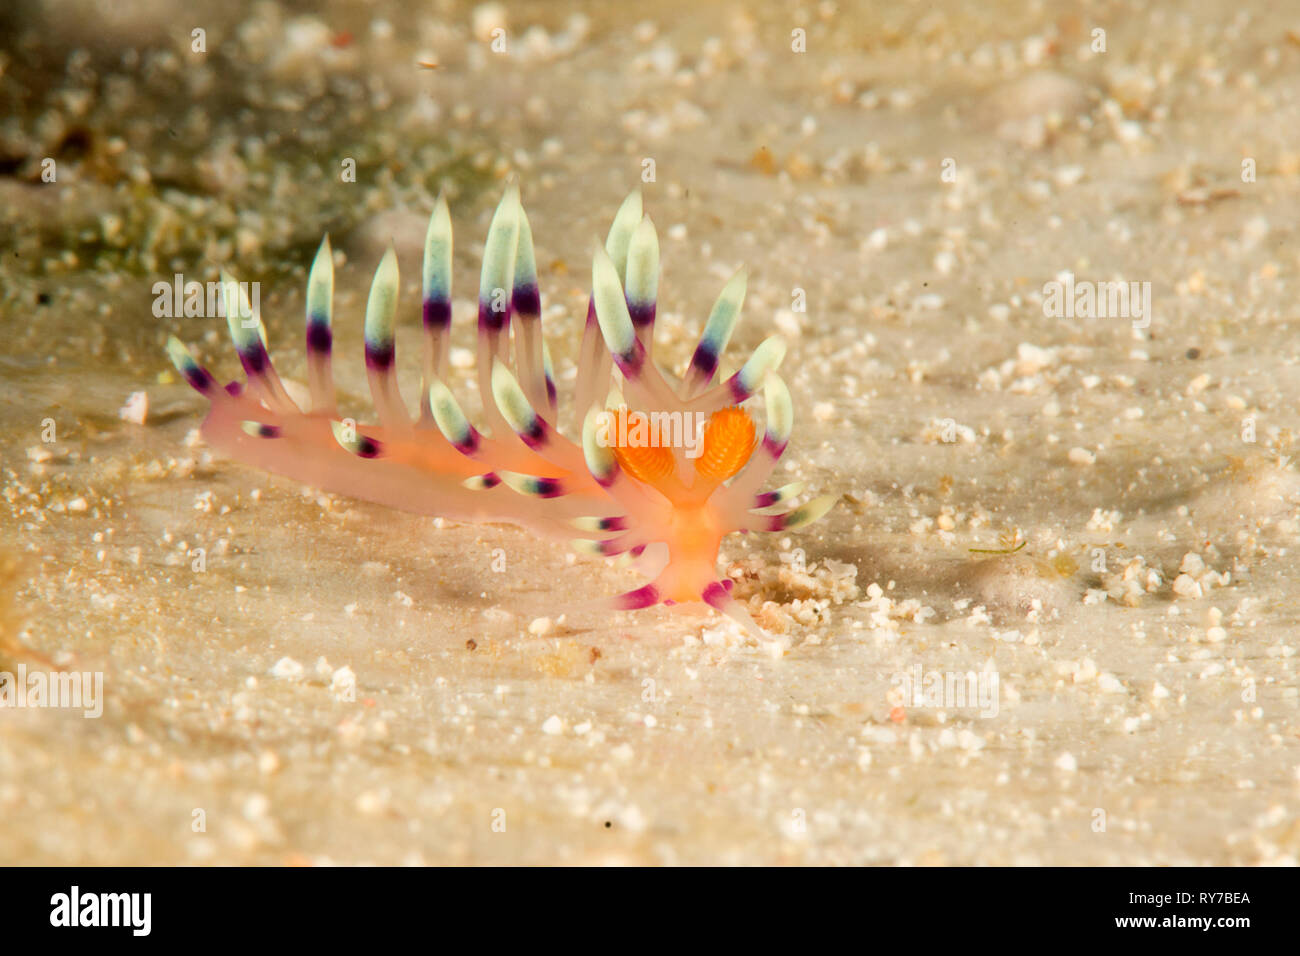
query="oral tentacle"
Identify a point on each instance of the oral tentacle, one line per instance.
(636, 599)
(718, 596)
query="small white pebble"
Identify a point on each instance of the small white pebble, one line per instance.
(1109, 684)
(372, 802)
(623, 753)
(136, 409)
(343, 683)
(256, 806)
(286, 668)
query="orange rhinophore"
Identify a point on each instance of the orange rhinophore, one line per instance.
(728, 443)
(651, 465)
(626, 489)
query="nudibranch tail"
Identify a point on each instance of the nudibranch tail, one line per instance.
(658, 496)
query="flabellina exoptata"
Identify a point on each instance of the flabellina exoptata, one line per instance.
(662, 472)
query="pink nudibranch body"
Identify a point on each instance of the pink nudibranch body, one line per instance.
(622, 487)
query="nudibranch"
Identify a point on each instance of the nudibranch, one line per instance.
(664, 505)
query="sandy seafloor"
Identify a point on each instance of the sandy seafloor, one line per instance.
(1144, 637)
